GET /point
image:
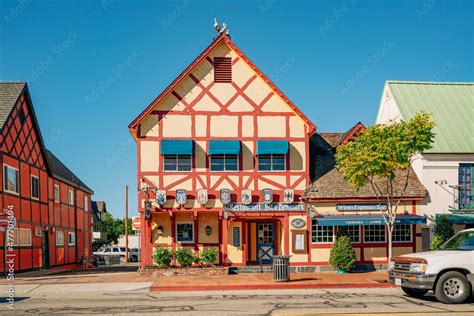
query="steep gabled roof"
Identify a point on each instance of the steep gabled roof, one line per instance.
(223, 38)
(61, 172)
(452, 107)
(9, 94)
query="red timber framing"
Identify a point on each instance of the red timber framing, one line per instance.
(22, 148)
(202, 177)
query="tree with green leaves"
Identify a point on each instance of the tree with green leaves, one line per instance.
(116, 226)
(381, 158)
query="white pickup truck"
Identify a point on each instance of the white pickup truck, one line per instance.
(449, 272)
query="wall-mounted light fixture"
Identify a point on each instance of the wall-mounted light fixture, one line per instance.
(160, 230)
(208, 230)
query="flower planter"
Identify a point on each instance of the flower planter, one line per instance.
(189, 271)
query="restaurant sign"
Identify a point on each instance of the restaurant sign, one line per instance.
(361, 207)
(272, 207)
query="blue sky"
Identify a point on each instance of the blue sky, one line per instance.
(93, 66)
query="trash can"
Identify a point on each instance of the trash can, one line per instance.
(281, 268)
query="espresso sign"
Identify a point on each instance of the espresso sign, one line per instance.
(360, 207)
(272, 207)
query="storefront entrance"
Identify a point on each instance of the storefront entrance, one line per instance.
(265, 242)
(45, 249)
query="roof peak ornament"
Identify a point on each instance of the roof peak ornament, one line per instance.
(220, 30)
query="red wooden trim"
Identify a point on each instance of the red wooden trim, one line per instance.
(353, 131)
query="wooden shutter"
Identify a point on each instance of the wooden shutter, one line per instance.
(223, 69)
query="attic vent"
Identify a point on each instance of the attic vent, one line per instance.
(223, 69)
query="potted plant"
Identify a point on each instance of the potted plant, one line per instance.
(343, 256)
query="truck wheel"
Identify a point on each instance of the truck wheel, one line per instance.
(452, 288)
(414, 292)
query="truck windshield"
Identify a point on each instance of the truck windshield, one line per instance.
(461, 241)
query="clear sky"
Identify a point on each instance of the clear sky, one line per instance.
(93, 66)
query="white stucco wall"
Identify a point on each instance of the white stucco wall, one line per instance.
(430, 168)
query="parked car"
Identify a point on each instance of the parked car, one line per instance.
(118, 251)
(449, 271)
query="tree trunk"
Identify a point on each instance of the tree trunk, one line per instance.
(389, 233)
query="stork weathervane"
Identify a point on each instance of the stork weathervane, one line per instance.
(221, 30)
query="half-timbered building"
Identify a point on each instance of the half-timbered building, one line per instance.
(50, 204)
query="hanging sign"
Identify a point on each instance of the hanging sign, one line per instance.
(225, 196)
(288, 195)
(202, 196)
(181, 196)
(161, 197)
(246, 196)
(298, 223)
(267, 196)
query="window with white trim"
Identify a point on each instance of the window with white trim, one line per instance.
(321, 234)
(59, 238)
(271, 162)
(374, 233)
(177, 162)
(11, 179)
(184, 232)
(86, 203)
(225, 162)
(71, 239)
(56, 193)
(22, 237)
(35, 194)
(402, 233)
(70, 197)
(352, 231)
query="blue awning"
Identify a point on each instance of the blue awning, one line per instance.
(364, 220)
(460, 218)
(176, 147)
(222, 147)
(267, 147)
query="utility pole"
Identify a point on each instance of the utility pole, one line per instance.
(126, 223)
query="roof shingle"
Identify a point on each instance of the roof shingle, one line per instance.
(9, 93)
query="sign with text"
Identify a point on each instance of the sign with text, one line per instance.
(360, 207)
(272, 207)
(136, 223)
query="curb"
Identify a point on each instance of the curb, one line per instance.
(156, 288)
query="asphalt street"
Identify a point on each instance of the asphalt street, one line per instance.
(121, 298)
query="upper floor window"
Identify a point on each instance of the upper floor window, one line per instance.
(56, 193)
(11, 179)
(466, 182)
(223, 69)
(86, 203)
(177, 162)
(59, 238)
(70, 197)
(271, 162)
(224, 162)
(35, 187)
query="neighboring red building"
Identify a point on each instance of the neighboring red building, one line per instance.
(51, 205)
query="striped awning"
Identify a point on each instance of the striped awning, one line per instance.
(224, 147)
(176, 147)
(267, 147)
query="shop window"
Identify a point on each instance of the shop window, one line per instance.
(352, 231)
(22, 237)
(401, 233)
(59, 238)
(70, 197)
(56, 193)
(224, 162)
(374, 233)
(177, 162)
(184, 232)
(35, 187)
(271, 162)
(321, 234)
(466, 193)
(223, 69)
(71, 239)
(11, 179)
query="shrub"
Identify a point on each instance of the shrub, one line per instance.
(342, 254)
(184, 257)
(162, 256)
(208, 256)
(444, 231)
